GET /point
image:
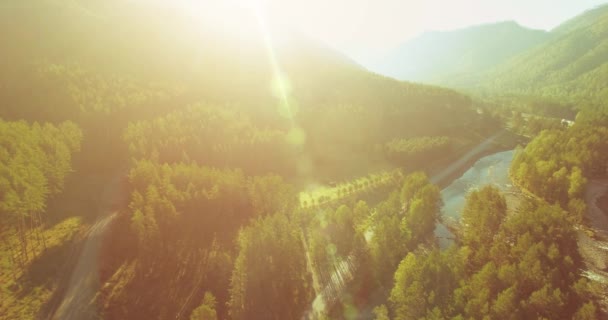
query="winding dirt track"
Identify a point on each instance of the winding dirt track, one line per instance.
(79, 300)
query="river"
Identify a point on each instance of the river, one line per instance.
(492, 169)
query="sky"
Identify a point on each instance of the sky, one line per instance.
(364, 28)
(368, 29)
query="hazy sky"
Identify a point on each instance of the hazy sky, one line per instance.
(364, 28)
(360, 27)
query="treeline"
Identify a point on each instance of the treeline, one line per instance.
(593, 115)
(204, 176)
(100, 103)
(203, 172)
(337, 111)
(89, 92)
(514, 264)
(186, 216)
(555, 164)
(183, 217)
(571, 67)
(417, 150)
(72, 91)
(214, 136)
(531, 126)
(525, 266)
(543, 107)
(219, 200)
(380, 183)
(329, 262)
(333, 260)
(34, 162)
(338, 261)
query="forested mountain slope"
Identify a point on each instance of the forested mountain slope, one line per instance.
(80, 61)
(572, 66)
(583, 20)
(216, 127)
(211, 123)
(437, 57)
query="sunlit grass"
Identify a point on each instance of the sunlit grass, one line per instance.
(37, 279)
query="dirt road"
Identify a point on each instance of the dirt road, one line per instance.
(79, 300)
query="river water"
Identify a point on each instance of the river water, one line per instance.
(492, 169)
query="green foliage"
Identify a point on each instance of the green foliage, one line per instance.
(523, 267)
(587, 312)
(35, 159)
(34, 162)
(555, 164)
(206, 311)
(269, 278)
(402, 222)
(571, 66)
(199, 98)
(422, 215)
(381, 313)
(535, 125)
(448, 57)
(270, 194)
(373, 183)
(213, 136)
(185, 217)
(417, 150)
(387, 241)
(25, 290)
(484, 212)
(195, 202)
(193, 179)
(423, 286)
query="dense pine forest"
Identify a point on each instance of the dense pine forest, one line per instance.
(155, 166)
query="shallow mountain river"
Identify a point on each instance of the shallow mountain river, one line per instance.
(492, 169)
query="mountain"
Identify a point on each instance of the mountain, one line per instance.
(436, 57)
(223, 106)
(585, 19)
(572, 66)
(84, 61)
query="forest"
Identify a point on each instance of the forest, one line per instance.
(197, 174)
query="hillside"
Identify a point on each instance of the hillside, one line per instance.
(583, 20)
(573, 66)
(200, 160)
(102, 72)
(212, 130)
(438, 57)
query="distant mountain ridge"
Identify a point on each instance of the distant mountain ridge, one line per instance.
(585, 19)
(572, 66)
(434, 57)
(569, 64)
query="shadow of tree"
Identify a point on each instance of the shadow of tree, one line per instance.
(48, 270)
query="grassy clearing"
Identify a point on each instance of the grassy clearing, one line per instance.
(24, 290)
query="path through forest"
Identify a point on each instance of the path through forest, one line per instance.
(79, 300)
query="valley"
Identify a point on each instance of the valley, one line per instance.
(210, 160)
